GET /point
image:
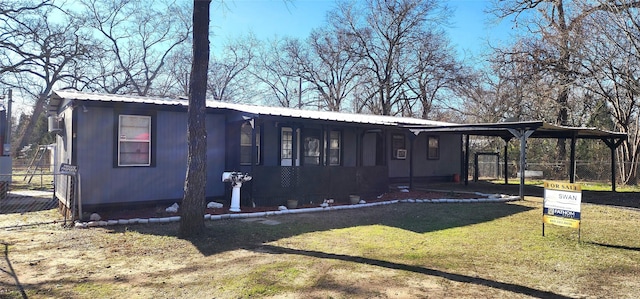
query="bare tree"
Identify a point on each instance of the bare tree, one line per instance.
(273, 73)
(527, 91)
(384, 33)
(39, 54)
(326, 64)
(505, 90)
(557, 27)
(612, 73)
(138, 37)
(437, 73)
(193, 203)
(14, 33)
(228, 74)
(480, 98)
(174, 80)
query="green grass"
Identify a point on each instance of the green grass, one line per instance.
(594, 186)
(586, 186)
(37, 181)
(488, 250)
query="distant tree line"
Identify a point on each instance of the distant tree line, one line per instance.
(571, 62)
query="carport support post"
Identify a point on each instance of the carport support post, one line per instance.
(506, 168)
(475, 167)
(412, 138)
(613, 144)
(466, 160)
(522, 134)
(572, 159)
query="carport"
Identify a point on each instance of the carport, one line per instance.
(523, 130)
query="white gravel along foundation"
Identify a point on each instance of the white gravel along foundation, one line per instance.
(283, 210)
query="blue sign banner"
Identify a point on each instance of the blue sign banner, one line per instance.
(561, 213)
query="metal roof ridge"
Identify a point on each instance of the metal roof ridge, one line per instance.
(388, 120)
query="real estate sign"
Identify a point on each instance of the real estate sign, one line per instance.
(562, 204)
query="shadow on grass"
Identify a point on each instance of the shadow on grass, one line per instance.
(16, 203)
(615, 246)
(514, 288)
(226, 235)
(249, 234)
(609, 198)
(11, 272)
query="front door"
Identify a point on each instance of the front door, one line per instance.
(286, 147)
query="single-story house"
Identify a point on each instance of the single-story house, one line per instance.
(130, 150)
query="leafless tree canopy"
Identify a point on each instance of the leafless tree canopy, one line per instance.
(572, 62)
(137, 38)
(577, 59)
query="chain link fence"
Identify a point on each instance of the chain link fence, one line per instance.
(490, 168)
(26, 196)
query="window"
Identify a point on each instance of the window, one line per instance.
(398, 147)
(311, 150)
(313, 145)
(286, 144)
(335, 140)
(433, 147)
(246, 131)
(134, 140)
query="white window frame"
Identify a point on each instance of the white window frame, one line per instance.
(286, 145)
(124, 139)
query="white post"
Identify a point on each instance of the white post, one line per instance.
(235, 197)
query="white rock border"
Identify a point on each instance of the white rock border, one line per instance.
(486, 198)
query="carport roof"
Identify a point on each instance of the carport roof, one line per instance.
(541, 130)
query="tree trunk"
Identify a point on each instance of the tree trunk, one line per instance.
(563, 117)
(194, 203)
(23, 137)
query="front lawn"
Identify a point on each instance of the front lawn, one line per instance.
(404, 250)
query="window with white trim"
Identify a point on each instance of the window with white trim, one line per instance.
(134, 140)
(286, 143)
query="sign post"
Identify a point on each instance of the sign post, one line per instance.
(562, 205)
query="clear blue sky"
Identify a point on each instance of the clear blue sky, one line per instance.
(469, 31)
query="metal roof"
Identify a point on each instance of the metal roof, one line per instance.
(541, 130)
(253, 110)
(55, 100)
